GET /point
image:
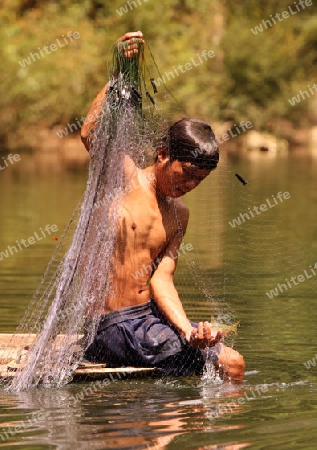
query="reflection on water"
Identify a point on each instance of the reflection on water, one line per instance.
(159, 414)
(233, 268)
(142, 414)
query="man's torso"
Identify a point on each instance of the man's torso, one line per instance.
(145, 225)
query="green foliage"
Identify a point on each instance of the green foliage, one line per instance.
(251, 76)
(263, 71)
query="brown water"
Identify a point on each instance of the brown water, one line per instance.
(276, 407)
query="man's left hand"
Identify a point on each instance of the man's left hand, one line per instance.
(203, 336)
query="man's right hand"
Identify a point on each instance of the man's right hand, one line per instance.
(132, 48)
(96, 107)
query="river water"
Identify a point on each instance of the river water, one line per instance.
(230, 272)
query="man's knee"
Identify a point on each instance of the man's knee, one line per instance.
(231, 363)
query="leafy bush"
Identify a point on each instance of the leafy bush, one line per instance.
(251, 76)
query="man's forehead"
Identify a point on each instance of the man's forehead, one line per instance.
(195, 169)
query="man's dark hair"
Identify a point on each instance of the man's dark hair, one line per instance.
(192, 140)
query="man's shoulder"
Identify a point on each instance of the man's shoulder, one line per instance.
(181, 210)
(129, 166)
(180, 205)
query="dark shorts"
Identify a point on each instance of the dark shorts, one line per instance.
(140, 336)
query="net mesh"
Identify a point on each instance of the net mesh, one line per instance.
(259, 253)
(77, 280)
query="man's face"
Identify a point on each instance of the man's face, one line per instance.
(182, 177)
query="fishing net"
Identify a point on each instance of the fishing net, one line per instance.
(77, 280)
(233, 248)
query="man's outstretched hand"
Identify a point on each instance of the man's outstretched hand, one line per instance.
(230, 363)
(203, 336)
(132, 48)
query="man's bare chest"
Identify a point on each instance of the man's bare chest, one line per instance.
(145, 224)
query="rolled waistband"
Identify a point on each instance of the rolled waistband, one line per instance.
(128, 313)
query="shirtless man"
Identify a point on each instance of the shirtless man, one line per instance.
(143, 322)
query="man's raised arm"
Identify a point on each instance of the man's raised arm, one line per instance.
(92, 117)
(96, 106)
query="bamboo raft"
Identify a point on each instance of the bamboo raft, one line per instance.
(12, 350)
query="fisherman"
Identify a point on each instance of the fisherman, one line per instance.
(143, 322)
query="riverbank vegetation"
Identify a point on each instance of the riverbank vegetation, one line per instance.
(265, 55)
